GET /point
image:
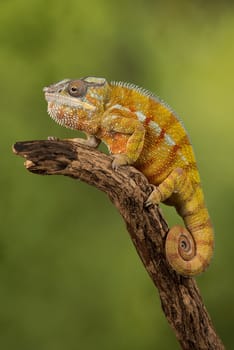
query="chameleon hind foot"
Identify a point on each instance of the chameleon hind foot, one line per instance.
(154, 198)
(176, 182)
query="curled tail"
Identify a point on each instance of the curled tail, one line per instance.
(189, 251)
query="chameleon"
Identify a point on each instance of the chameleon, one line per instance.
(139, 129)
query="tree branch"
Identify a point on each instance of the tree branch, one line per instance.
(128, 189)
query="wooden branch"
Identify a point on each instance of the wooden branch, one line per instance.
(128, 189)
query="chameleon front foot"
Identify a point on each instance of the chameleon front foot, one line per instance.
(55, 138)
(91, 141)
(120, 160)
(52, 138)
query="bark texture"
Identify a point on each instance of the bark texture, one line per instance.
(128, 189)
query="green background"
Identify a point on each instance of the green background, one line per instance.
(69, 275)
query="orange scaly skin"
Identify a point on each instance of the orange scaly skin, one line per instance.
(140, 129)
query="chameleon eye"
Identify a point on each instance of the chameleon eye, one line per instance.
(77, 88)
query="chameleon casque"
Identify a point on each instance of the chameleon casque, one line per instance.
(141, 130)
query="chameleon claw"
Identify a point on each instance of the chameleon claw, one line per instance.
(52, 138)
(91, 141)
(120, 160)
(154, 198)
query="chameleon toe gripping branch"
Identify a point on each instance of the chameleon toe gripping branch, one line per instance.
(141, 130)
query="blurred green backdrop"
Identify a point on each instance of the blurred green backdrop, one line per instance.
(69, 275)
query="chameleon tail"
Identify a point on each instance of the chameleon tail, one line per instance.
(189, 252)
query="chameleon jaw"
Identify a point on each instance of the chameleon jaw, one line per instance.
(69, 101)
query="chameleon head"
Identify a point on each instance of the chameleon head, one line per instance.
(77, 104)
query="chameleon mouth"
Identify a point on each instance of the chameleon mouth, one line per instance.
(66, 110)
(69, 101)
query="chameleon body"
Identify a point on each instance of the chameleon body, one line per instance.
(140, 129)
